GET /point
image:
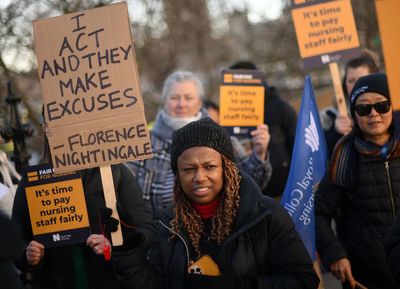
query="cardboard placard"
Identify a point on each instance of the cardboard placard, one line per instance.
(92, 101)
(57, 206)
(242, 94)
(388, 12)
(325, 31)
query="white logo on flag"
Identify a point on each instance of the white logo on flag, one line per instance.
(311, 135)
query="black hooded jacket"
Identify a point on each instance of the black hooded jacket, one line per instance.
(263, 244)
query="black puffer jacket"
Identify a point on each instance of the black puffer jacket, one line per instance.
(57, 267)
(263, 243)
(393, 251)
(364, 215)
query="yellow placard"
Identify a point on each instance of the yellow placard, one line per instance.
(388, 12)
(57, 206)
(241, 105)
(325, 28)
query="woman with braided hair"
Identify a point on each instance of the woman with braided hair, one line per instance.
(220, 231)
(182, 98)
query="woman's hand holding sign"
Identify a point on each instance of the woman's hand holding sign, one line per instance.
(260, 140)
(341, 269)
(97, 243)
(34, 253)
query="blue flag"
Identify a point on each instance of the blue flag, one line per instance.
(307, 167)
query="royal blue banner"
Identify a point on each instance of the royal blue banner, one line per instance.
(308, 166)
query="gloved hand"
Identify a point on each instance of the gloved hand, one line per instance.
(228, 280)
(132, 238)
(110, 223)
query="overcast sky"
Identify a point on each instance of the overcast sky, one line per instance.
(260, 9)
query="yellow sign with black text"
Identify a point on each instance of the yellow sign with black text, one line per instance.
(325, 32)
(242, 96)
(242, 105)
(388, 12)
(57, 206)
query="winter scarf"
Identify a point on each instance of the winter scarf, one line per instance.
(345, 156)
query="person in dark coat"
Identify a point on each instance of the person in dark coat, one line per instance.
(281, 119)
(81, 266)
(11, 247)
(393, 251)
(361, 191)
(220, 214)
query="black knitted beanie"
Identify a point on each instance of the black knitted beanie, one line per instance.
(201, 133)
(376, 82)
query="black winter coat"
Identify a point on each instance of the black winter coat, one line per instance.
(264, 244)
(331, 135)
(393, 251)
(11, 246)
(364, 215)
(281, 119)
(56, 270)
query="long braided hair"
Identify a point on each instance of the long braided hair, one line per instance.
(186, 217)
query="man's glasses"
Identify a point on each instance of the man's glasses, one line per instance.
(365, 109)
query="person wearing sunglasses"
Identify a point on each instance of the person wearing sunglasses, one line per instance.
(361, 191)
(337, 125)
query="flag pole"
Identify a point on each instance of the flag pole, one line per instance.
(360, 286)
(317, 269)
(309, 154)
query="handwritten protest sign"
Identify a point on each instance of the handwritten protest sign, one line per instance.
(388, 12)
(325, 31)
(241, 100)
(57, 206)
(92, 101)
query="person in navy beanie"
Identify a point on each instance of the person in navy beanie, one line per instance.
(376, 82)
(361, 191)
(337, 125)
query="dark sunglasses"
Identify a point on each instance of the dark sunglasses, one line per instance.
(365, 109)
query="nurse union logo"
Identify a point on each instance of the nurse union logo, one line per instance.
(311, 135)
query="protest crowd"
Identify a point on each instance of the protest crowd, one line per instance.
(205, 197)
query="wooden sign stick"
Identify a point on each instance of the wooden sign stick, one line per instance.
(111, 201)
(333, 67)
(360, 286)
(317, 270)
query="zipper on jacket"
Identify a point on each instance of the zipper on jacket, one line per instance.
(390, 190)
(180, 237)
